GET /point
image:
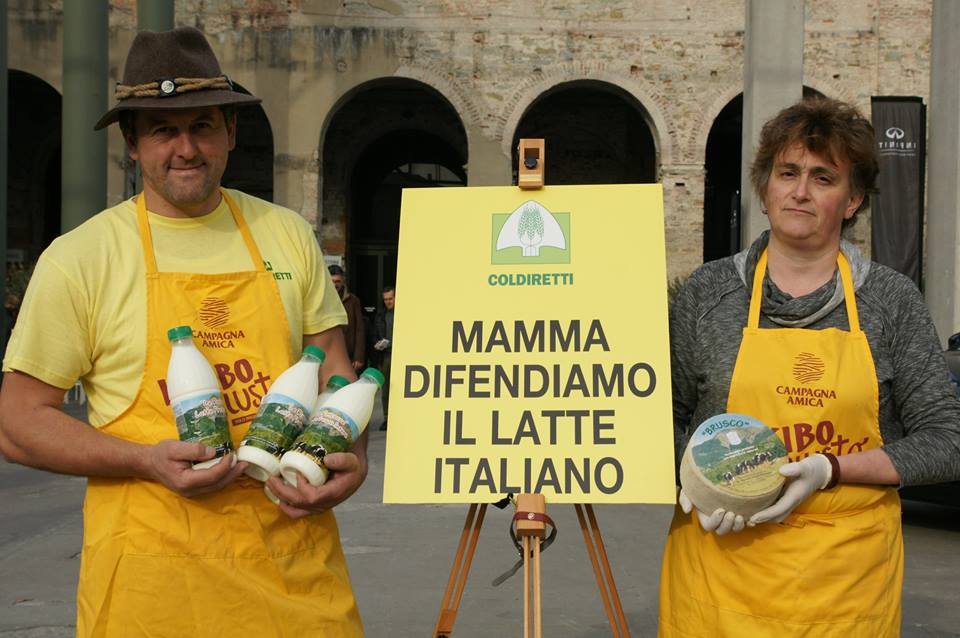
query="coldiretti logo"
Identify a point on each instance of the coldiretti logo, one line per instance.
(530, 235)
(214, 312)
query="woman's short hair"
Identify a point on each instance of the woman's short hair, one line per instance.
(827, 127)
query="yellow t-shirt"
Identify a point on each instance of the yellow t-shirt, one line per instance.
(84, 313)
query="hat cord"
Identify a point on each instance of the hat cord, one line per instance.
(184, 85)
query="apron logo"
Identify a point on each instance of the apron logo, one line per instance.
(807, 368)
(214, 312)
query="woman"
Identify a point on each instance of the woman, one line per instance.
(827, 558)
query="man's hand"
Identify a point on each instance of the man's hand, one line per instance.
(721, 522)
(171, 462)
(807, 476)
(357, 365)
(347, 473)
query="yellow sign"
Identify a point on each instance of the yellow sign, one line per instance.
(530, 347)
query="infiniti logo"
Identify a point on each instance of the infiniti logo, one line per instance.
(894, 133)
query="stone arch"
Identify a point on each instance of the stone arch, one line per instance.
(448, 90)
(34, 184)
(446, 86)
(381, 136)
(250, 168)
(830, 88)
(652, 104)
(596, 134)
(697, 145)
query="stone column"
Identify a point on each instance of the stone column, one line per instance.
(154, 15)
(943, 231)
(683, 217)
(3, 169)
(84, 178)
(486, 164)
(772, 80)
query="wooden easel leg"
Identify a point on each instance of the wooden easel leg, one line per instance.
(471, 532)
(526, 586)
(611, 584)
(537, 612)
(618, 623)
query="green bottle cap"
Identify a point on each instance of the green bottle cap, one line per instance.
(374, 375)
(336, 382)
(315, 352)
(180, 332)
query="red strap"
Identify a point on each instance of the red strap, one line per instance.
(534, 516)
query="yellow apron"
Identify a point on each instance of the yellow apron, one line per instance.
(834, 567)
(230, 563)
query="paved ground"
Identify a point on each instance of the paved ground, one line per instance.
(400, 558)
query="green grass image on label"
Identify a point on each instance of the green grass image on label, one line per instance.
(276, 426)
(203, 420)
(326, 433)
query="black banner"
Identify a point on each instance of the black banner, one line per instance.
(897, 210)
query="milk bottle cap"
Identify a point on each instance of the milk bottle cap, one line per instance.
(374, 375)
(180, 332)
(336, 382)
(315, 352)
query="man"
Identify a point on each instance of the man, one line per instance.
(383, 326)
(353, 331)
(169, 550)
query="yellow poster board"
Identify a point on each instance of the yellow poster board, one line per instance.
(530, 347)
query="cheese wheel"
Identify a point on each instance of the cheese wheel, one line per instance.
(732, 462)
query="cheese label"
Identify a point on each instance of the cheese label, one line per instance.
(738, 455)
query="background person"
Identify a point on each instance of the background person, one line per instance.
(354, 331)
(827, 557)
(384, 344)
(169, 550)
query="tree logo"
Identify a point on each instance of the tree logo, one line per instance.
(531, 234)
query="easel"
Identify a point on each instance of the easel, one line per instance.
(530, 517)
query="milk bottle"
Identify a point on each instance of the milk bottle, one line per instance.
(334, 383)
(282, 415)
(195, 397)
(333, 427)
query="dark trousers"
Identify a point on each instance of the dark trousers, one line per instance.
(385, 391)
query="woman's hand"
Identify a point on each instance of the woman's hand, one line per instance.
(721, 522)
(806, 477)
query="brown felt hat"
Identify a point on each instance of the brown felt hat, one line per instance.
(174, 69)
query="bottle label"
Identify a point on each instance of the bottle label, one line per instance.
(329, 430)
(202, 418)
(278, 422)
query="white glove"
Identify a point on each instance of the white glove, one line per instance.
(720, 522)
(806, 477)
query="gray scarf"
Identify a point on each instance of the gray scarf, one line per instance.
(799, 312)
